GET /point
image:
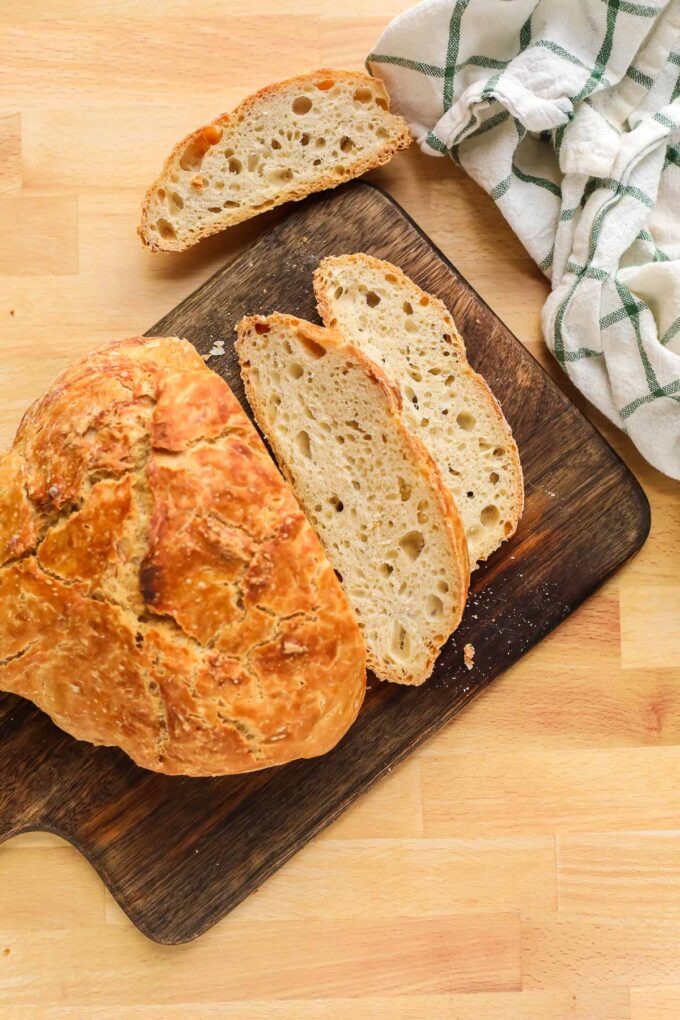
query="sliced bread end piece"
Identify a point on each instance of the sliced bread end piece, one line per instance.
(413, 337)
(289, 139)
(369, 487)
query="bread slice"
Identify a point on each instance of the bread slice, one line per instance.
(370, 489)
(286, 141)
(446, 404)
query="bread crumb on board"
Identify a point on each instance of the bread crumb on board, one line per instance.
(469, 656)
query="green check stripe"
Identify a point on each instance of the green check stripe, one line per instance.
(452, 50)
(547, 262)
(671, 332)
(501, 188)
(661, 118)
(568, 214)
(588, 272)
(642, 10)
(619, 189)
(660, 391)
(621, 313)
(580, 354)
(435, 143)
(613, 7)
(673, 155)
(639, 78)
(412, 65)
(541, 182)
(630, 304)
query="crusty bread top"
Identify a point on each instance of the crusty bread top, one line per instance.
(369, 487)
(412, 335)
(160, 589)
(297, 136)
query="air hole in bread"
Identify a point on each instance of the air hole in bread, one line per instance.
(214, 208)
(311, 347)
(415, 375)
(404, 489)
(326, 84)
(434, 606)
(320, 142)
(372, 299)
(483, 445)
(443, 587)
(386, 569)
(338, 293)
(302, 104)
(340, 170)
(390, 278)
(425, 422)
(337, 504)
(424, 300)
(401, 645)
(507, 528)
(421, 513)
(253, 161)
(316, 162)
(346, 144)
(450, 380)
(262, 327)
(412, 543)
(166, 229)
(192, 157)
(275, 143)
(410, 326)
(410, 393)
(281, 174)
(466, 421)
(408, 307)
(295, 370)
(219, 185)
(435, 371)
(304, 138)
(176, 200)
(235, 165)
(230, 204)
(494, 477)
(161, 193)
(303, 443)
(339, 577)
(499, 451)
(382, 103)
(265, 205)
(363, 95)
(490, 515)
(470, 494)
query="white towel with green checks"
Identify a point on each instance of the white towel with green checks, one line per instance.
(568, 113)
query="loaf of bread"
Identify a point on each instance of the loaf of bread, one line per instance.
(160, 589)
(412, 336)
(286, 141)
(370, 489)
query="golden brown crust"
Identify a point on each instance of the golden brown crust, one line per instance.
(330, 339)
(402, 140)
(326, 312)
(160, 588)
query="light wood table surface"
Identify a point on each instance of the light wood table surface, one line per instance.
(523, 864)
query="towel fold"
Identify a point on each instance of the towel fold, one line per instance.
(567, 112)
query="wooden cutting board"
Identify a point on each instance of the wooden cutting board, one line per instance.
(179, 853)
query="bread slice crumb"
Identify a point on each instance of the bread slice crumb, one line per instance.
(469, 656)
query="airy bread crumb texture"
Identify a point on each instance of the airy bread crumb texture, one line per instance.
(371, 491)
(290, 139)
(412, 336)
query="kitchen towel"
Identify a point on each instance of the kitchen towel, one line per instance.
(567, 112)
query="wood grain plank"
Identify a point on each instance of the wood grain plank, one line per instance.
(533, 1005)
(307, 959)
(512, 793)
(578, 952)
(650, 627)
(409, 878)
(52, 880)
(38, 235)
(655, 1003)
(10, 154)
(620, 874)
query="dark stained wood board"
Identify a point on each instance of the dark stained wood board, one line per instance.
(179, 853)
